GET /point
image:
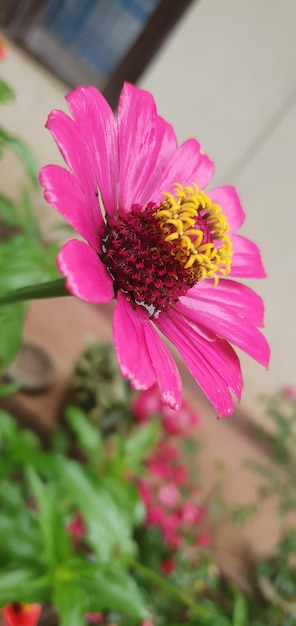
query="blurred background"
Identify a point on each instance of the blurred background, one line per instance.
(220, 70)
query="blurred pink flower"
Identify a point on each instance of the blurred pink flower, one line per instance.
(179, 422)
(146, 404)
(290, 392)
(175, 422)
(170, 528)
(179, 474)
(205, 539)
(160, 462)
(145, 491)
(167, 451)
(190, 513)
(168, 566)
(94, 618)
(155, 516)
(76, 527)
(157, 243)
(168, 495)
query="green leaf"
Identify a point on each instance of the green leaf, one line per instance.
(8, 389)
(11, 326)
(22, 151)
(8, 426)
(56, 542)
(88, 435)
(44, 498)
(8, 210)
(116, 590)
(69, 602)
(125, 494)
(17, 542)
(108, 529)
(6, 93)
(24, 261)
(27, 216)
(23, 584)
(240, 610)
(139, 443)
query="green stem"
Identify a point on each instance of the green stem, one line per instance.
(171, 589)
(53, 289)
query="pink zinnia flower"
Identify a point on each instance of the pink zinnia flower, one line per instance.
(157, 243)
(21, 614)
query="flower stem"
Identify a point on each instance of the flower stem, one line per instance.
(171, 589)
(52, 289)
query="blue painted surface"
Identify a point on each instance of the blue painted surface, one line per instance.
(99, 31)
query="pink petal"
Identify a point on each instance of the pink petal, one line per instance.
(146, 144)
(63, 191)
(211, 361)
(231, 295)
(97, 126)
(227, 325)
(130, 344)
(86, 276)
(167, 375)
(89, 146)
(188, 165)
(246, 260)
(74, 151)
(230, 204)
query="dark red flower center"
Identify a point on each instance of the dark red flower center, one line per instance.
(155, 254)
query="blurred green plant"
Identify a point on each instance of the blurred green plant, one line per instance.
(40, 492)
(24, 257)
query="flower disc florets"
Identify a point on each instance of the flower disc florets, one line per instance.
(155, 254)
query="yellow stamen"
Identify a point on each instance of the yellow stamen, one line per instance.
(191, 223)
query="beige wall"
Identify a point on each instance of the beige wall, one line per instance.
(227, 76)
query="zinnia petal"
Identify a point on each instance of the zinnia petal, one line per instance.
(89, 145)
(146, 144)
(246, 262)
(98, 132)
(231, 295)
(86, 276)
(62, 190)
(211, 361)
(226, 324)
(130, 345)
(187, 164)
(68, 139)
(165, 368)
